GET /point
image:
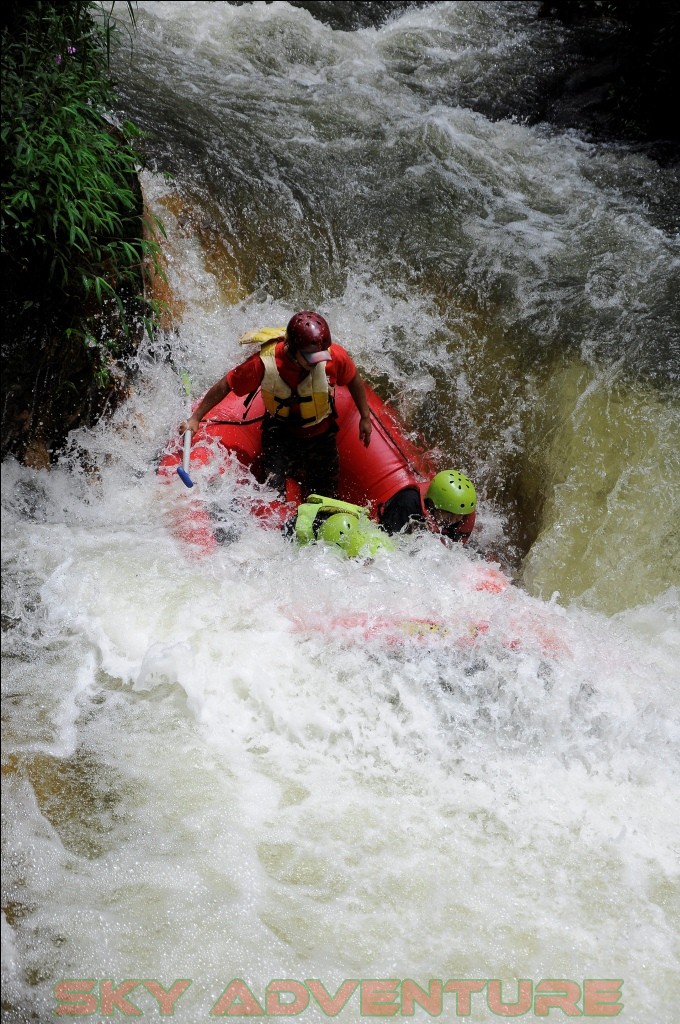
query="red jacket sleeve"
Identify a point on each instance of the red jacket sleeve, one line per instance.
(247, 376)
(342, 369)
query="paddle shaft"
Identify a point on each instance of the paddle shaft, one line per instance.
(183, 470)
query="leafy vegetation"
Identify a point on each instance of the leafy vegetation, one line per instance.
(76, 248)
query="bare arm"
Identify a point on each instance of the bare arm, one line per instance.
(211, 398)
(358, 392)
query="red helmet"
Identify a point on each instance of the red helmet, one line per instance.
(308, 331)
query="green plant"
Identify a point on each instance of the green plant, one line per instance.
(71, 204)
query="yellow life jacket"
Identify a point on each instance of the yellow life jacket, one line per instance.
(314, 393)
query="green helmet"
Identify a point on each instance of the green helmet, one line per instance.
(352, 535)
(339, 529)
(450, 491)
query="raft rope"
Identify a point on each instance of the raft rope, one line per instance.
(386, 433)
(233, 423)
(243, 422)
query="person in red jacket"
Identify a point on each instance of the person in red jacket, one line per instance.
(446, 506)
(297, 373)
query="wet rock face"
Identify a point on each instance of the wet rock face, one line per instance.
(53, 381)
(50, 392)
(618, 75)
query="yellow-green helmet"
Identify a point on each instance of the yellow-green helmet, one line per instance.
(338, 529)
(353, 536)
(451, 491)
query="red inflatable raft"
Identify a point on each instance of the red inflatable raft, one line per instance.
(368, 476)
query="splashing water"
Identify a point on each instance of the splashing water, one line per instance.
(274, 763)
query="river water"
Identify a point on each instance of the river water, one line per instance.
(234, 767)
